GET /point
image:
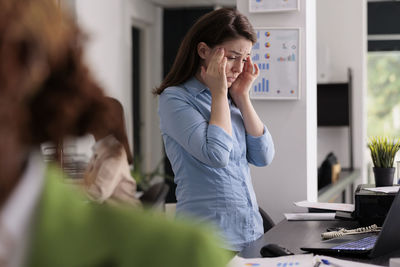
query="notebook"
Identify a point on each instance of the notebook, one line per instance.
(369, 244)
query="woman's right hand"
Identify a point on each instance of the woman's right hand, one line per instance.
(214, 76)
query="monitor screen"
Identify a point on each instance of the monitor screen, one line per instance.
(333, 104)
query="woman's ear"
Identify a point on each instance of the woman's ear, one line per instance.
(203, 50)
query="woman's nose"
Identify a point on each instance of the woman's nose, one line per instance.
(237, 66)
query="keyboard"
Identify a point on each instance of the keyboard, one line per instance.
(365, 243)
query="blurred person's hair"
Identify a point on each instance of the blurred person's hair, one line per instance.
(118, 129)
(46, 91)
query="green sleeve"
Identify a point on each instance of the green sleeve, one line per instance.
(70, 232)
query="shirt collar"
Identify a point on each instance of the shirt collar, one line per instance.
(194, 86)
(17, 214)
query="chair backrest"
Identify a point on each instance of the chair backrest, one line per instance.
(268, 223)
(155, 195)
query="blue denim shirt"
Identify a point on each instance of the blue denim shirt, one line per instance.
(211, 167)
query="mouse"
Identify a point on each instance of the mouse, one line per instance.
(274, 250)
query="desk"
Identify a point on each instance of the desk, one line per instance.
(295, 234)
(345, 182)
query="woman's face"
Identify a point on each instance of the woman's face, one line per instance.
(236, 52)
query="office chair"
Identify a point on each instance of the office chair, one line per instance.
(268, 223)
(154, 197)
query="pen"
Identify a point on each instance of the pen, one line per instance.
(326, 262)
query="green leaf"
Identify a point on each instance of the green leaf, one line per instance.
(383, 151)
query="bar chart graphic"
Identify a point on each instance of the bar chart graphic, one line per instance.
(262, 86)
(263, 66)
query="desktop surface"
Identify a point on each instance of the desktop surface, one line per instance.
(295, 234)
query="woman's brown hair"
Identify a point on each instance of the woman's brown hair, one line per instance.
(46, 90)
(213, 28)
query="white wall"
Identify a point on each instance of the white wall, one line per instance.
(342, 44)
(292, 176)
(108, 24)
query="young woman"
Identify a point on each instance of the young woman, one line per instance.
(210, 128)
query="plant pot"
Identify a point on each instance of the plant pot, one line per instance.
(383, 176)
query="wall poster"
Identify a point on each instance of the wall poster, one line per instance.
(276, 54)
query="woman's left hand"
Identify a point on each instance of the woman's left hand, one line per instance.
(241, 86)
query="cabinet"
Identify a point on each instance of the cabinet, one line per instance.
(335, 134)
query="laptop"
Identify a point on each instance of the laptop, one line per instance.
(368, 244)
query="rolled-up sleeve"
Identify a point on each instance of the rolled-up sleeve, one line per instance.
(182, 122)
(260, 149)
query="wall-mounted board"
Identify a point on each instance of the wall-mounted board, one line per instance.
(276, 54)
(273, 5)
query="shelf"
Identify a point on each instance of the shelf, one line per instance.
(346, 179)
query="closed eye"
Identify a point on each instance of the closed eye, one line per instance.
(235, 58)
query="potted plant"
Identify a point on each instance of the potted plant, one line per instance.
(383, 151)
(145, 179)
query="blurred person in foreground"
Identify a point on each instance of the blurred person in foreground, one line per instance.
(46, 94)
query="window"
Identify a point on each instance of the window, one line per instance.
(383, 96)
(383, 93)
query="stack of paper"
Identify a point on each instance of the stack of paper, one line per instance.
(326, 206)
(302, 260)
(384, 189)
(344, 210)
(310, 216)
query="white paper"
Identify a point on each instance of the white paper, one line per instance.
(320, 216)
(326, 206)
(301, 260)
(341, 263)
(384, 189)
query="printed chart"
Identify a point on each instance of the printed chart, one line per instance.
(273, 5)
(276, 54)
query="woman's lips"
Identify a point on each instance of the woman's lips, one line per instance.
(231, 79)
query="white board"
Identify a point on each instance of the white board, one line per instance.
(276, 54)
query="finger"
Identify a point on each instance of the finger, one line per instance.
(244, 66)
(256, 69)
(216, 58)
(249, 65)
(217, 55)
(249, 60)
(221, 55)
(223, 65)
